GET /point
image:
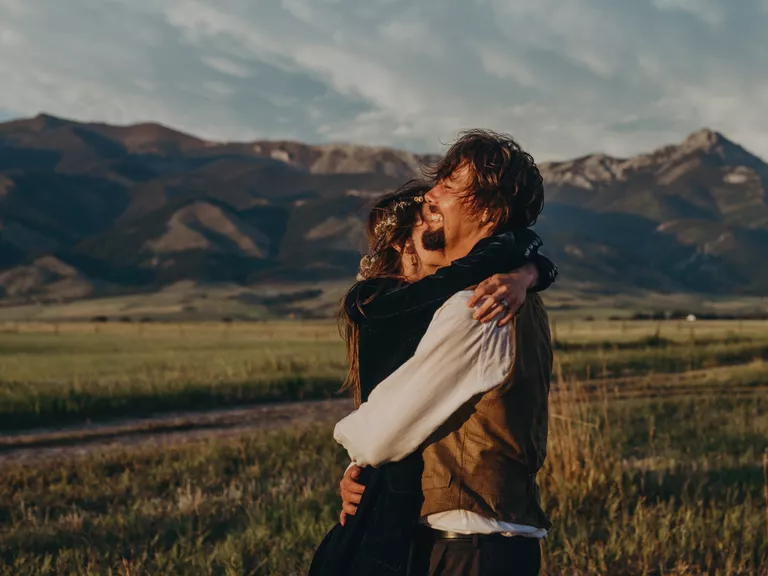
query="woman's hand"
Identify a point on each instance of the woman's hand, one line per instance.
(502, 294)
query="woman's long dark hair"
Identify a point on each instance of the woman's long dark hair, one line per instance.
(386, 264)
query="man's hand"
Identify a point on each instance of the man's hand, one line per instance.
(351, 493)
(503, 288)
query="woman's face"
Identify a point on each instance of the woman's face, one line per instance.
(418, 262)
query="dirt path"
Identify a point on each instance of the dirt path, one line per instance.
(181, 427)
(174, 428)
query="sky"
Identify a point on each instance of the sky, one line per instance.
(564, 77)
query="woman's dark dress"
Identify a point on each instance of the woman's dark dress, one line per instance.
(376, 540)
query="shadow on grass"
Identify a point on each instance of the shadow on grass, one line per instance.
(77, 408)
(704, 487)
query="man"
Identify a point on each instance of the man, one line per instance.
(473, 398)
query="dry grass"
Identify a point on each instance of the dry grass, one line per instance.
(655, 486)
(618, 331)
(651, 469)
(632, 487)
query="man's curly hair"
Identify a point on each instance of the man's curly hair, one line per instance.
(505, 180)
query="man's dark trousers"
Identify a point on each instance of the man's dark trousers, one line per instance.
(495, 555)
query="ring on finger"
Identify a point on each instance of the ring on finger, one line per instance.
(504, 304)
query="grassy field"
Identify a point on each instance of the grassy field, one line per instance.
(188, 301)
(657, 457)
(69, 373)
(639, 486)
(102, 371)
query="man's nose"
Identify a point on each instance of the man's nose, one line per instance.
(433, 196)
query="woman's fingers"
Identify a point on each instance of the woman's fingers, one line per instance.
(493, 314)
(349, 508)
(488, 310)
(493, 304)
(506, 319)
(499, 297)
(483, 289)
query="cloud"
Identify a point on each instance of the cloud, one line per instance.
(227, 66)
(709, 11)
(565, 78)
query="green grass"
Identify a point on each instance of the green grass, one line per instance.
(628, 361)
(652, 469)
(58, 374)
(258, 502)
(48, 379)
(635, 487)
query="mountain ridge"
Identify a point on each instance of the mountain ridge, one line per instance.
(128, 208)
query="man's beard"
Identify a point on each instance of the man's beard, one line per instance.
(433, 240)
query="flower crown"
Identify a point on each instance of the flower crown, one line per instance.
(383, 228)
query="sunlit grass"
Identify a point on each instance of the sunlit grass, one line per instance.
(634, 487)
(54, 374)
(652, 468)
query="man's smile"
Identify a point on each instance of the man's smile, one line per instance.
(433, 214)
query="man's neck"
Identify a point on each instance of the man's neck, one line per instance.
(464, 246)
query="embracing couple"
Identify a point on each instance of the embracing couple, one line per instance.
(450, 362)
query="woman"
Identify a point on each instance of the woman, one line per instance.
(384, 316)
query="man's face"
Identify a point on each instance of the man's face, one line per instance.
(448, 220)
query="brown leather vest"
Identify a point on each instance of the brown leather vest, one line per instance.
(485, 457)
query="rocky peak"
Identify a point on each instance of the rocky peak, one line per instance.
(714, 145)
(583, 172)
(705, 140)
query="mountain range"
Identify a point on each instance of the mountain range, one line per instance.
(89, 209)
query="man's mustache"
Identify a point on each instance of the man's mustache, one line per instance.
(431, 213)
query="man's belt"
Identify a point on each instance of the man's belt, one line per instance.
(457, 536)
(446, 535)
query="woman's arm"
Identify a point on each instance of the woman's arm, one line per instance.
(546, 269)
(503, 294)
(496, 254)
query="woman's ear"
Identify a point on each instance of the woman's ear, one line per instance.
(405, 247)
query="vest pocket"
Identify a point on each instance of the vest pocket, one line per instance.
(435, 478)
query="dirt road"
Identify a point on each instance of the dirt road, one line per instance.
(55, 444)
(175, 428)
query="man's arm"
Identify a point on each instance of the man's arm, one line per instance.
(457, 359)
